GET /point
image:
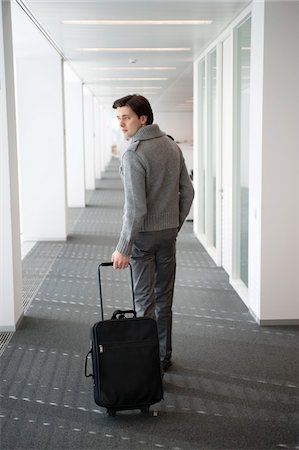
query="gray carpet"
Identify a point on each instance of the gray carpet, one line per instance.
(233, 385)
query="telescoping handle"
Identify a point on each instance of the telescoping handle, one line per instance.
(106, 264)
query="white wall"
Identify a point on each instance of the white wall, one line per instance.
(89, 143)
(97, 140)
(255, 159)
(11, 308)
(40, 132)
(273, 289)
(74, 137)
(227, 154)
(187, 150)
(105, 115)
(178, 124)
(196, 151)
(276, 158)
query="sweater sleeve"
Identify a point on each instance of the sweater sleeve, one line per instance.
(186, 192)
(135, 208)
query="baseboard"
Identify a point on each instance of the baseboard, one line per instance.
(278, 322)
(46, 239)
(11, 328)
(273, 322)
(8, 329)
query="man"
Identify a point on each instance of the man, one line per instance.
(158, 196)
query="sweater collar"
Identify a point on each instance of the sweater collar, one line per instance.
(148, 132)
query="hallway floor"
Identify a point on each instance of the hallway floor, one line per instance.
(233, 384)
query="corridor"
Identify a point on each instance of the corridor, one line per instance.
(233, 384)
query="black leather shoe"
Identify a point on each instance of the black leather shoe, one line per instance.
(166, 365)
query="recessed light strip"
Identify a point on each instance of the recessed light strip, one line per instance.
(131, 79)
(134, 49)
(136, 87)
(133, 68)
(113, 95)
(121, 88)
(137, 22)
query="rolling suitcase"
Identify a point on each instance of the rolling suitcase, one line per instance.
(125, 359)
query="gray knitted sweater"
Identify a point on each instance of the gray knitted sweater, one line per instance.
(158, 189)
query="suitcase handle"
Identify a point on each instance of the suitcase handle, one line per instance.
(122, 313)
(106, 264)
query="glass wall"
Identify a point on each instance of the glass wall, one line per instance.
(203, 164)
(223, 132)
(242, 146)
(212, 141)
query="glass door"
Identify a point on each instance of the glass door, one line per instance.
(243, 37)
(212, 145)
(202, 143)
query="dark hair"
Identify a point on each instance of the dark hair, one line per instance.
(139, 104)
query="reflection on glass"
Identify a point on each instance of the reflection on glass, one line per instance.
(212, 71)
(202, 145)
(243, 91)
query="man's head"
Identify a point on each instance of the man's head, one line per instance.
(133, 112)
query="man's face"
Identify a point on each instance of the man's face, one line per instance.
(129, 121)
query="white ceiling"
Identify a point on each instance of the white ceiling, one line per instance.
(171, 94)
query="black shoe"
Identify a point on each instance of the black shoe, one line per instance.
(166, 365)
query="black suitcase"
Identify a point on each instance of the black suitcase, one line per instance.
(125, 360)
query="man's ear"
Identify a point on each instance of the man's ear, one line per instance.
(143, 120)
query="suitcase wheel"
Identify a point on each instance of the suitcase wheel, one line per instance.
(145, 410)
(111, 412)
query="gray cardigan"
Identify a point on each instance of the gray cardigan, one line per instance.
(158, 189)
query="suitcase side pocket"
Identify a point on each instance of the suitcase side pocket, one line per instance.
(86, 362)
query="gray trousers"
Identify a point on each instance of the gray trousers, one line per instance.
(154, 264)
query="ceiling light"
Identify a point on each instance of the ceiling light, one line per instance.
(134, 68)
(149, 93)
(137, 22)
(131, 79)
(113, 96)
(136, 87)
(134, 49)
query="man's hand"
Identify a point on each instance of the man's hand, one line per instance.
(119, 260)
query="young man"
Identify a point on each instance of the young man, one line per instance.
(158, 197)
